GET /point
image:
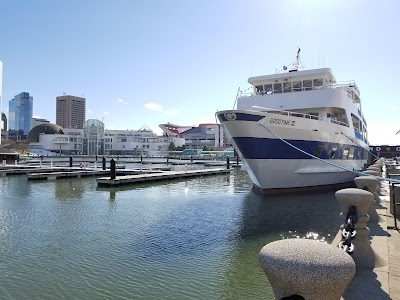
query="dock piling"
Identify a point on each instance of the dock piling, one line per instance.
(70, 161)
(227, 162)
(104, 163)
(113, 173)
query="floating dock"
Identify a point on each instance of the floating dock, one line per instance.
(167, 175)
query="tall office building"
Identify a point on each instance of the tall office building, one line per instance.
(70, 111)
(20, 113)
(1, 87)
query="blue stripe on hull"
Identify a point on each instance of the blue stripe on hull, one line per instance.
(263, 148)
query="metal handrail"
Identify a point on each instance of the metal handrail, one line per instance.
(394, 204)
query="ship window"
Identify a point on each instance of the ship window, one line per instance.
(287, 87)
(345, 152)
(259, 89)
(351, 153)
(318, 151)
(297, 86)
(307, 85)
(312, 115)
(333, 152)
(356, 123)
(277, 87)
(268, 88)
(318, 82)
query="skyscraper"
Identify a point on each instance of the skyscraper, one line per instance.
(70, 111)
(20, 113)
(1, 87)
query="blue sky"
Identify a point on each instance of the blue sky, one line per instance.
(179, 61)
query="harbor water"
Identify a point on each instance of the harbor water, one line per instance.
(196, 238)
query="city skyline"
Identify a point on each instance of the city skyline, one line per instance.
(180, 62)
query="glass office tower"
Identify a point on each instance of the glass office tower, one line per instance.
(20, 113)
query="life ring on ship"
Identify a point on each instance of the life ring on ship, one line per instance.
(397, 148)
(81, 166)
(378, 149)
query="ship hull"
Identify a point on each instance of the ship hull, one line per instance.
(291, 154)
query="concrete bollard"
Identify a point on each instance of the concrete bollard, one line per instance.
(363, 254)
(372, 173)
(376, 169)
(307, 268)
(369, 184)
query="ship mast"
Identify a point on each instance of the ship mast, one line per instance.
(296, 63)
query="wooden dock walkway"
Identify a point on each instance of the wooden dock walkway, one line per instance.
(167, 175)
(70, 173)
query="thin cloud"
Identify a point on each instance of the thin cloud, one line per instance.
(122, 101)
(106, 113)
(89, 111)
(153, 106)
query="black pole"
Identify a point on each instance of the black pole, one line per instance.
(141, 158)
(191, 159)
(237, 160)
(70, 161)
(394, 205)
(113, 172)
(104, 163)
(167, 160)
(227, 162)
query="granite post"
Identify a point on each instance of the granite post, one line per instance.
(307, 268)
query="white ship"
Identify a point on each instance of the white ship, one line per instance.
(299, 130)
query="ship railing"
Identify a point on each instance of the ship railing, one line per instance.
(302, 115)
(350, 83)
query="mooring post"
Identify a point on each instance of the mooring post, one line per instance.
(237, 160)
(113, 172)
(306, 269)
(104, 163)
(167, 160)
(70, 161)
(141, 159)
(363, 253)
(370, 184)
(191, 159)
(227, 162)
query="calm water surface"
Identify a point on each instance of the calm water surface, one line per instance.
(189, 239)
